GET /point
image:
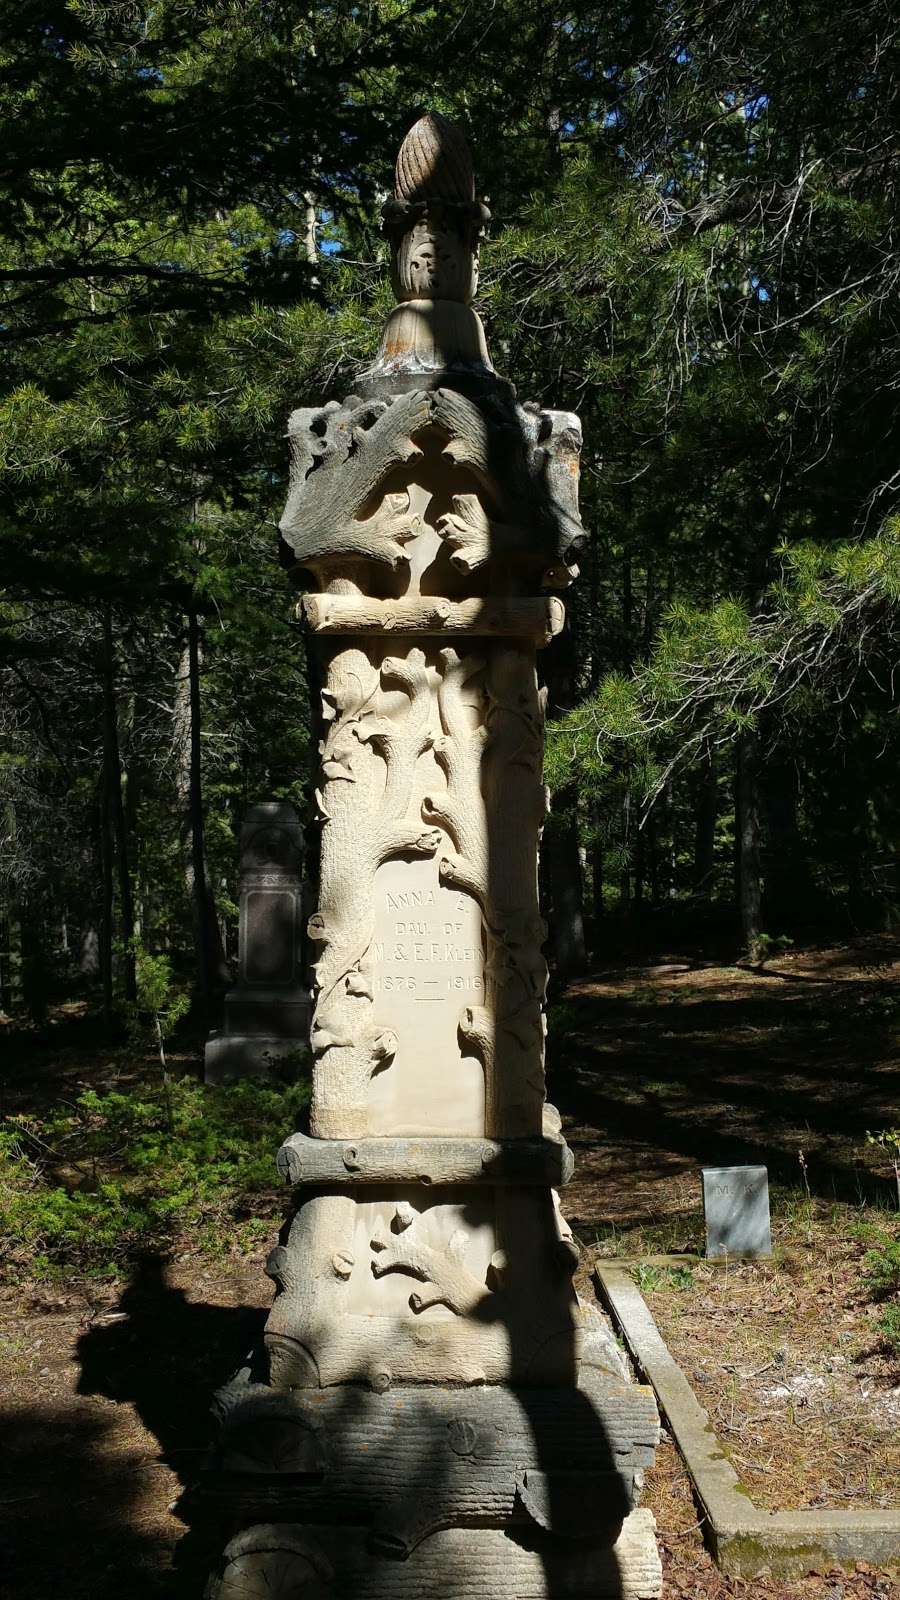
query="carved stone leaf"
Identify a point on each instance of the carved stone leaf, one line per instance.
(526, 459)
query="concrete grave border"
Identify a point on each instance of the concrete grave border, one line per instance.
(745, 1540)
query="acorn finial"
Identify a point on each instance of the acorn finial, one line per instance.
(434, 224)
(434, 161)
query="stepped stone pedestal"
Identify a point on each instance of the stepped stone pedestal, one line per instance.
(434, 1411)
(267, 1012)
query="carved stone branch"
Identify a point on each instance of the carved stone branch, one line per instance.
(401, 741)
(369, 761)
(478, 1028)
(448, 1279)
(549, 1160)
(554, 453)
(341, 1316)
(338, 514)
(527, 461)
(473, 537)
(459, 752)
(535, 618)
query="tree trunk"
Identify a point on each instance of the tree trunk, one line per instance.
(112, 767)
(106, 909)
(654, 850)
(597, 869)
(309, 237)
(561, 860)
(6, 962)
(212, 968)
(561, 873)
(649, 604)
(788, 883)
(627, 604)
(639, 867)
(705, 806)
(625, 875)
(35, 973)
(132, 832)
(669, 849)
(748, 833)
(593, 662)
(89, 952)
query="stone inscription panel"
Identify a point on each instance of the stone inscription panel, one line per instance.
(268, 936)
(428, 965)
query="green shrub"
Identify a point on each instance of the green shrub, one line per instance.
(888, 1139)
(881, 1266)
(89, 1187)
(881, 1271)
(888, 1324)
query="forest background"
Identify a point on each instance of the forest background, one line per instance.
(695, 247)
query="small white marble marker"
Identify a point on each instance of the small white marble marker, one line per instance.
(736, 1211)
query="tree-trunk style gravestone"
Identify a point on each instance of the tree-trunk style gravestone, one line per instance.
(436, 1413)
(267, 1011)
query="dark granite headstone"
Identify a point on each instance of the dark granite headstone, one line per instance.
(267, 1011)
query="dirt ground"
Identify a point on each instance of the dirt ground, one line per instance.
(803, 1397)
(665, 1068)
(657, 1070)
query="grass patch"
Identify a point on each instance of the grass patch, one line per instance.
(109, 1175)
(795, 1358)
(888, 1324)
(881, 1265)
(650, 1278)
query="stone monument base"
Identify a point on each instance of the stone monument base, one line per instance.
(435, 1413)
(228, 1057)
(426, 1489)
(287, 1561)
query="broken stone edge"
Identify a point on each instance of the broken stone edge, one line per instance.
(745, 1540)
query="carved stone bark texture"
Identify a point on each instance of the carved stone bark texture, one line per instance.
(426, 1160)
(455, 1285)
(290, 1562)
(528, 618)
(348, 512)
(564, 1460)
(429, 754)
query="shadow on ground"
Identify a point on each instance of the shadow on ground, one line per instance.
(659, 1071)
(90, 1483)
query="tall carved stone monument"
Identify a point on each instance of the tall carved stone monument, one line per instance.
(435, 1413)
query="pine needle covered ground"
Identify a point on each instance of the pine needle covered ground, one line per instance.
(110, 1355)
